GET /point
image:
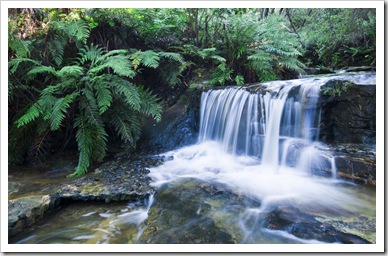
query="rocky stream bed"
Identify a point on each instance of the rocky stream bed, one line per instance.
(38, 191)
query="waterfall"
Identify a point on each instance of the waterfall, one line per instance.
(279, 125)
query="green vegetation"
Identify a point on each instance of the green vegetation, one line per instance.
(81, 78)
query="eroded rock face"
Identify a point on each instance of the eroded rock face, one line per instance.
(124, 179)
(351, 116)
(178, 128)
(26, 211)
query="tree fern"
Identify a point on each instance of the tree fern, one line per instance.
(96, 88)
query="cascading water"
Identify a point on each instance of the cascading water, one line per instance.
(258, 174)
(287, 133)
(262, 142)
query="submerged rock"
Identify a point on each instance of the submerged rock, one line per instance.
(194, 211)
(307, 227)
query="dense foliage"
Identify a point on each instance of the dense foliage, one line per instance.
(79, 78)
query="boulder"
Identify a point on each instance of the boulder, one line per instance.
(204, 209)
(178, 128)
(26, 211)
(351, 116)
(307, 227)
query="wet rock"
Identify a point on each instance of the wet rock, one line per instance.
(117, 180)
(351, 116)
(356, 69)
(26, 211)
(178, 128)
(184, 212)
(318, 71)
(304, 226)
(360, 170)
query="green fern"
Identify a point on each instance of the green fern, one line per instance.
(32, 113)
(173, 56)
(19, 46)
(96, 89)
(104, 97)
(41, 69)
(128, 91)
(84, 140)
(221, 74)
(13, 64)
(126, 123)
(147, 58)
(59, 110)
(149, 104)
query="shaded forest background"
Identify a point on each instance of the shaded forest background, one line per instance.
(85, 79)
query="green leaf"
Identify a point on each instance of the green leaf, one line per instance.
(173, 56)
(120, 65)
(70, 71)
(42, 69)
(59, 110)
(128, 91)
(149, 104)
(147, 58)
(32, 113)
(85, 141)
(14, 63)
(104, 97)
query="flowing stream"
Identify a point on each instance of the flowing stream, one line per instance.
(262, 143)
(258, 174)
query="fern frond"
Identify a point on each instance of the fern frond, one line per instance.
(19, 46)
(221, 74)
(78, 29)
(128, 91)
(59, 110)
(104, 97)
(14, 63)
(149, 104)
(218, 58)
(120, 65)
(89, 107)
(126, 124)
(115, 52)
(32, 113)
(173, 56)
(84, 140)
(92, 54)
(205, 53)
(70, 71)
(57, 48)
(42, 69)
(147, 58)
